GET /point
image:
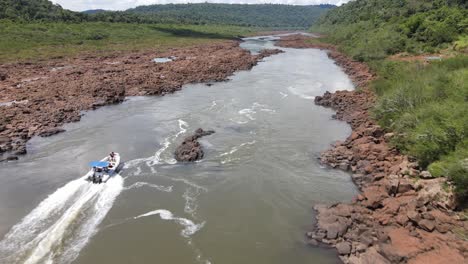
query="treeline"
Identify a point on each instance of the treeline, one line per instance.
(425, 104)
(268, 15)
(37, 10)
(373, 29)
(264, 15)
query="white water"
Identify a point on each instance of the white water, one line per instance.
(190, 227)
(155, 186)
(156, 158)
(263, 170)
(61, 225)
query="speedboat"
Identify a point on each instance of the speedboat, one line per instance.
(101, 171)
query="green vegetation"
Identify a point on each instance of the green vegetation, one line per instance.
(373, 29)
(35, 41)
(428, 108)
(426, 104)
(36, 10)
(266, 15)
(39, 29)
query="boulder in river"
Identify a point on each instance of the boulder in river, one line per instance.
(191, 149)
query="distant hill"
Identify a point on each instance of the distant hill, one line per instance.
(262, 15)
(93, 11)
(28, 10)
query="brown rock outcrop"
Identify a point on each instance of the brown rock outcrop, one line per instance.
(403, 215)
(190, 149)
(37, 99)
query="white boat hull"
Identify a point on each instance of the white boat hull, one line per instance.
(104, 176)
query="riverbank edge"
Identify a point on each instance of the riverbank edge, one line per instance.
(402, 215)
(44, 96)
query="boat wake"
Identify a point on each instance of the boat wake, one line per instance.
(155, 186)
(190, 227)
(61, 225)
(156, 159)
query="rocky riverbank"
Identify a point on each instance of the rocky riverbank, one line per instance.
(37, 99)
(403, 214)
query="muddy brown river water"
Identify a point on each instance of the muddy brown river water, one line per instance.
(249, 201)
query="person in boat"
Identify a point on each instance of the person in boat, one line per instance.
(112, 156)
(94, 174)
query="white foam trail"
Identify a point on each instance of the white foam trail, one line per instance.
(156, 159)
(171, 161)
(284, 95)
(258, 105)
(236, 148)
(238, 122)
(133, 163)
(268, 110)
(302, 94)
(137, 172)
(190, 227)
(189, 183)
(104, 202)
(248, 112)
(61, 225)
(190, 195)
(213, 104)
(155, 186)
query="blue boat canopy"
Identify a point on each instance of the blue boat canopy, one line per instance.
(99, 164)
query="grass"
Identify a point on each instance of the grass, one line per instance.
(40, 41)
(427, 105)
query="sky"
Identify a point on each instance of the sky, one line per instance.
(81, 5)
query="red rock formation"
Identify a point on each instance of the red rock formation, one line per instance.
(42, 97)
(403, 215)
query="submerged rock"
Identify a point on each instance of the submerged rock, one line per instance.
(51, 131)
(191, 149)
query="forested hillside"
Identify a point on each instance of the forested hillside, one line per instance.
(374, 29)
(268, 15)
(426, 104)
(34, 10)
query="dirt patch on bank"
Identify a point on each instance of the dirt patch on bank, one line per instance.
(37, 99)
(403, 214)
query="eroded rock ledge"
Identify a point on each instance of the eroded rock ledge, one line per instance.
(403, 215)
(37, 99)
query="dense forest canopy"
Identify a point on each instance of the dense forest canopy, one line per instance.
(269, 15)
(33, 10)
(377, 28)
(266, 15)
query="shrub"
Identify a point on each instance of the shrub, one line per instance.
(428, 108)
(97, 36)
(458, 173)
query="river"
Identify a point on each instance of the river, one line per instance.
(249, 201)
